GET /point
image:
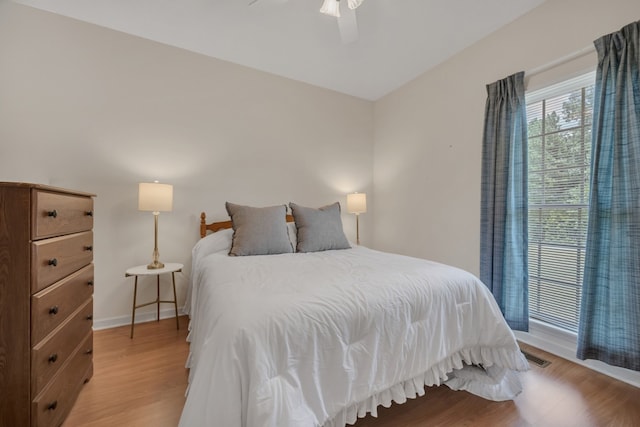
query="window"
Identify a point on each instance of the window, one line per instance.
(559, 139)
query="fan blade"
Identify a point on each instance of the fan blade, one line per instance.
(348, 25)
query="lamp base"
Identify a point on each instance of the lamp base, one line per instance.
(155, 265)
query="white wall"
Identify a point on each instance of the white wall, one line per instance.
(428, 137)
(428, 134)
(96, 110)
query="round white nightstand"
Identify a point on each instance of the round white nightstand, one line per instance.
(142, 270)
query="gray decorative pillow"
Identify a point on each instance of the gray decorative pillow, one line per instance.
(259, 231)
(319, 229)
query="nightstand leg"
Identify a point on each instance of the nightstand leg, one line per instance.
(133, 312)
(175, 299)
(158, 296)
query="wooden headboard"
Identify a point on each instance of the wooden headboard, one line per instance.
(221, 225)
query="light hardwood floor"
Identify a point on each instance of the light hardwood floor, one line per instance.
(141, 382)
(136, 382)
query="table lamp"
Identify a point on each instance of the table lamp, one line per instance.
(357, 204)
(155, 197)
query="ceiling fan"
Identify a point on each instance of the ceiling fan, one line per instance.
(347, 23)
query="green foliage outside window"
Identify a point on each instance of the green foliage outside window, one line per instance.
(559, 138)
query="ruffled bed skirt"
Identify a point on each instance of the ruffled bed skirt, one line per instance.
(489, 373)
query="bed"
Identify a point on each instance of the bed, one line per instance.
(323, 338)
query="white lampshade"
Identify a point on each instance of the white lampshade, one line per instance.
(331, 8)
(357, 203)
(155, 197)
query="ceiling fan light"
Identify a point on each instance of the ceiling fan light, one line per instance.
(331, 8)
(353, 4)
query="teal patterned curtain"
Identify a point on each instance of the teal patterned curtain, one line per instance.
(610, 313)
(503, 215)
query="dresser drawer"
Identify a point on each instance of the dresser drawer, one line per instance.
(51, 306)
(53, 259)
(56, 214)
(49, 355)
(52, 405)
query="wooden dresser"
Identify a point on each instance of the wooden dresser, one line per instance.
(46, 304)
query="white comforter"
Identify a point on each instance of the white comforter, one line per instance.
(322, 338)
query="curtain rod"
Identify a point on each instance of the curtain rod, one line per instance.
(560, 61)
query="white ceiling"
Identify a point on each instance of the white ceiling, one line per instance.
(399, 39)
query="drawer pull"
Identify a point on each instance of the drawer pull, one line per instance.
(90, 317)
(53, 262)
(53, 358)
(88, 248)
(52, 406)
(53, 310)
(90, 283)
(53, 213)
(89, 213)
(90, 351)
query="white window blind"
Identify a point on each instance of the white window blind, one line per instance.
(559, 121)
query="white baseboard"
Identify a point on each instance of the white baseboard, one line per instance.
(564, 344)
(113, 322)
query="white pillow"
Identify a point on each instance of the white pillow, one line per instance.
(293, 234)
(214, 242)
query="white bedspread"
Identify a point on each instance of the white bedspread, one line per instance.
(322, 338)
